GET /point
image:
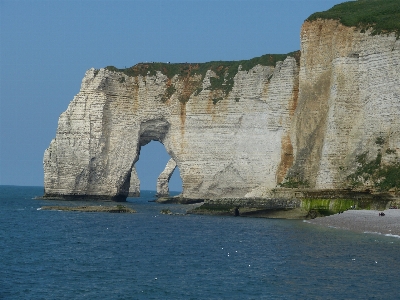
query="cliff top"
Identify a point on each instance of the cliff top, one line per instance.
(188, 69)
(383, 16)
(225, 70)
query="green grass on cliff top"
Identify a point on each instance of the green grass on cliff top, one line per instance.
(383, 16)
(225, 71)
(190, 69)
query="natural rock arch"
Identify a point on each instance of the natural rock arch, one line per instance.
(162, 182)
(152, 130)
(223, 148)
(238, 131)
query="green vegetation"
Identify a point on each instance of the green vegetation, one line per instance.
(198, 91)
(380, 141)
(383, 16)
(326, 207)
(382, 177)
(190, 69)
(224, 70)
(389, 177)
(390, 151)
(215, 100)
(168, 93)
(294, 182)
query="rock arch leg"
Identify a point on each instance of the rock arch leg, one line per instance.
(163, 179)
(134, 185)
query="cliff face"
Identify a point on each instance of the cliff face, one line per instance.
(223, 148)
(349, 105)
(317, 126)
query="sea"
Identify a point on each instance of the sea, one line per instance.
(148, 255)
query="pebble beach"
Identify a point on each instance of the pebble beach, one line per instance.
(364, 221)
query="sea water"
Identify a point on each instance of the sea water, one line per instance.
(148, 255)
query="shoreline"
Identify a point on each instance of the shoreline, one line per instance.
(363, 221)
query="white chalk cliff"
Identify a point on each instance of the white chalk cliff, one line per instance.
(304, 122)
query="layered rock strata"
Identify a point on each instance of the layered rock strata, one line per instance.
(345, 131)
(312, 125)
(349, 103)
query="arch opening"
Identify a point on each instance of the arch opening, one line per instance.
(153, 168)
(152, 161)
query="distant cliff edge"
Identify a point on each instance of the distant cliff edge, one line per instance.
(325, 118)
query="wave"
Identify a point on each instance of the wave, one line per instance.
(392, 235)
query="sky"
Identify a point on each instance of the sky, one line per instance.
(47, 46)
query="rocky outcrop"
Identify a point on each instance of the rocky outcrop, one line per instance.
(328, 121)
(109, 209)
(163, 179)
(134, 184)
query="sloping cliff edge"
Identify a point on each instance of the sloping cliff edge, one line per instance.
(267, 128)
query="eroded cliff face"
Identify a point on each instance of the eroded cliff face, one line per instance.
(223, 148)
(314, 126)
(348, 107)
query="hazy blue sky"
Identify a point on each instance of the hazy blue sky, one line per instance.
(46, 47)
